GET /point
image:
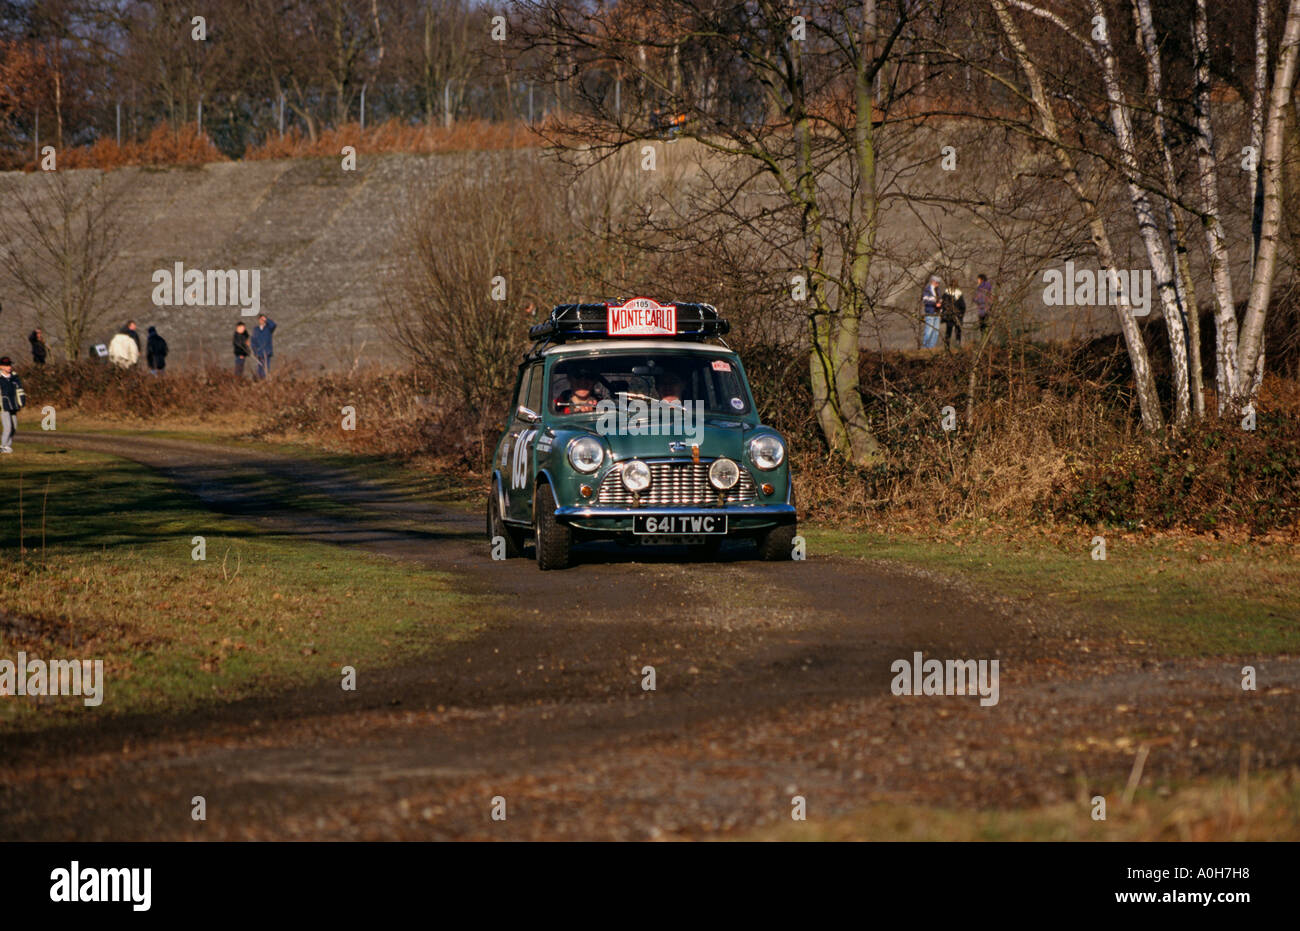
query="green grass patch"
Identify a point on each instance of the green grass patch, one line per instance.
(1185, 596)
(115, 579)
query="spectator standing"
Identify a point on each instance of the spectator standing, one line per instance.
(952, 308)
(12, 400)
(155, 352)
(124, 349)
(983, 300)
(242, 349)
(262, 349)
(39, 349)
(930, 313)
(129, 330)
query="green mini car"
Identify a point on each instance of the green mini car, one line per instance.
(634, 421)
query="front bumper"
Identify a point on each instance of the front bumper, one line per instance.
(740, 518)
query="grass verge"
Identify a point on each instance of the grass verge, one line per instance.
(107, 571)
(1265, 807)
(1183, 595)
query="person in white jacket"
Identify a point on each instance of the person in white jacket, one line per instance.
(123, 351)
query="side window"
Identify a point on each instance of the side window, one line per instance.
(521, 393)
(534, 392)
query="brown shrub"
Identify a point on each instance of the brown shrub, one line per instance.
(187, 146)
(165, 146)
(1034, 407)
(397, 136)
(1215, 475)
(1052, 436)
(395, 414)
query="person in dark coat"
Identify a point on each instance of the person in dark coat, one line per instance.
(262, 349)
(952, 310)
(39, 353)
(242, 349)
(155, 352)
(12, 400)
(983, 300)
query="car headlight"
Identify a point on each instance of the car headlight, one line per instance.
(586, 454)
(636, 475)
(724, 474)
(767, 451)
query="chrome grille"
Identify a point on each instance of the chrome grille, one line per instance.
(681, 483)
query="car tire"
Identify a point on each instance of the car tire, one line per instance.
(777, 544)
(554, 540)
(497, 527)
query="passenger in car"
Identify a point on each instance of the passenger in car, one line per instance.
(670, 389)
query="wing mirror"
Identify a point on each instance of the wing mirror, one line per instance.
(527, 415)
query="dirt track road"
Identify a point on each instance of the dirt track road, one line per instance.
(773, 681)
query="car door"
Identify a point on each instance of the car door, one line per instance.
(517, 451)
(506, 448)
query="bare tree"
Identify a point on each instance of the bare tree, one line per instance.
(63, 235)
(1225, 308)
(1251, 333)
(435, 51)
(1184, 287)
(1152, 167)
(480, 244)
(314, 56)
(792, 108)
(1048, 129)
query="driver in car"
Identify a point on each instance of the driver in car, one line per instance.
(580, 398)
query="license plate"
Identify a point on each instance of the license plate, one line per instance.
(679, 524)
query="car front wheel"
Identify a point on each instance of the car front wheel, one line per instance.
(777, 544)
(554, 540)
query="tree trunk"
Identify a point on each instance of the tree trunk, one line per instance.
(1258, 92)
(865, 449)
(1122, 123)
(834, 335)
(58, 100)
(304, 113)
(1143, 382)
(1251, 336)
(1175, 228)
(1225, 308)
(1189, 301)
(429, 83)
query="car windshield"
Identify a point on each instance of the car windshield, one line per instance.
(577, 385)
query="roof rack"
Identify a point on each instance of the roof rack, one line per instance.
(637, 317)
